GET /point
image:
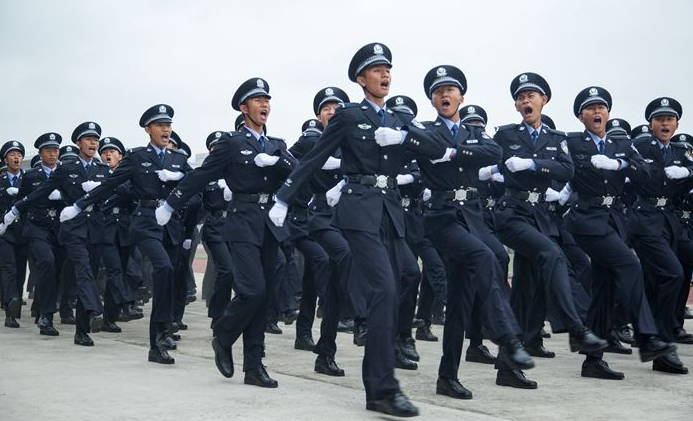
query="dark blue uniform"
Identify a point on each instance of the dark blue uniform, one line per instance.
(13, 247)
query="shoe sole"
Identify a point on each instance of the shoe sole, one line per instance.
(43, 332)
(216, 346)
(444, 392)
(84, 344)
(622, 351)
(515, 385)
(266, 386)
(375, 407)
(601, 377)
(328, 372)
(160, 361)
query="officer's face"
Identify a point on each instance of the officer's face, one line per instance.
(447, 100)
(111, 156)
(256, 111)
(594, 117)
(664, 126)
(159, 133)
(326, 112)
(13, 159)
(529, 105)
(49, 156)
(375, 80)
(88, 145)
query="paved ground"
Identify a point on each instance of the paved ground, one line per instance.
(52, 379)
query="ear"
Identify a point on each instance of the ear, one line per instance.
(581, 118)
(544, 100)
(244, 109)
(361, 80)
(148, 130)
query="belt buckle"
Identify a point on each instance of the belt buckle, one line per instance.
(406, 202)
(263, 198)
(52, 213)
(607, 200)
(686, 215)
(460, 195)
(381, 181)
(89, 208)
(661, 202)
(223, 214)
(115, 211)
(491, 203)
(533, 197)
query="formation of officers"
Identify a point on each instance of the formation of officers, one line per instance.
(599, 222)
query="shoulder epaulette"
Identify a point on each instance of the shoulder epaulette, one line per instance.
(181, 152)
(641, 141)
(574, 134)
(102, 164)
(138, 149)
(350, 105)
(278, 139)
(558, 132)
(505, 127)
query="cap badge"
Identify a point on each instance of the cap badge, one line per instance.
(441, 72)
(594, 92)
(92, 126)
(217, 135)
(15, 143)
(665, 102)
(523, 78)
(399, 101)
(107, 140)
(52, 136)
(471, 110)
(616, 123)
(69, 149)
(377, 49)
(260, 84)
(329, 91)
(682, 138)
(312, 123)
(162, 110)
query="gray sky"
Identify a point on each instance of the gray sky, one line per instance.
(65, 62)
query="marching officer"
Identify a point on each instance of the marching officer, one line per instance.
(653, 225)
(596, 221)
(153, 170)
(253, 165)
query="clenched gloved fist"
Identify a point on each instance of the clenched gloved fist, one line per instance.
(264, 160)
(166, 175)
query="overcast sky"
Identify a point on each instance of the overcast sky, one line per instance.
(65, 62)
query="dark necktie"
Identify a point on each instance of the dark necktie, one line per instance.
(86, 167)
(161, 156)
(601, 147)
(664, 154)
(381, 113)
(535, 137)
(13, 181)
(454, 130)
(261, 140)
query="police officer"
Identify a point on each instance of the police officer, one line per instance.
(153, 170)
(80, 236)
(369, 212)
(12, 250)
(596, 221)
(532, 157)
(253, 165)
(653, 224)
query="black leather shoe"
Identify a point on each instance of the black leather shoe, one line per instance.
(165, 341)
(544, 334)
(585, 341)
(425, 334)
(95, 323)
(304, 343)
(223, 358)
(615, 346)
(623, 334)
(180, 325)
(130, 313)
(288, 317)
(258, 377)
(159, 355)
(175, 337)
(191, 297)
(83, 339)
(110, 327)
(11, 322)
(669, 363)
(682, 337)
(452, 388)
(360, 333)
(599, 369)
(479, 354)
(13, 308)
(345, 326)
(514, 378)
(539, 351)
(396, 404)
(653, 347)
(326, 365)
(46, 327)
(513, 354)
(408, 347)
(68, 320)
(272, 328)
(401, 361)
(688, 313)
(417, 323)
(143, 294)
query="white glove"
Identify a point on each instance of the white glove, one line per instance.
(9, 218)
(228, 195)
(162, 215)
(551, 195)
(166, 175)
(221, 183)
(675, 172)
(385, 136)
(333, 194)
(516, 164)
(264, 160)
(447, 156)
(12, 191)
(403, 179)
(332, 163)
(485, 172)
(498, 178)
(603, 162)
(55, 195)
(187, 243)
(564, 194)
(69, 213)
(3, 228)
(426, 195)
(277, 214)
(88, 186)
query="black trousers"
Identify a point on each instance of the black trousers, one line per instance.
(433, 282)
(316, 272)
(685, 253)
(220, 253)
(181, 280)
(163, 259)
(117, 292)
(84, 259)
(246, 313)
(8, 271)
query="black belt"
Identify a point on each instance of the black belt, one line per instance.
(253, 197)
(528, 196)
(46, 213)
(115, 210)
(149, 203)
(298, 214)
(219, 214)
(658, 202)
(458, 195)
(380, 181)
(607, 201)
